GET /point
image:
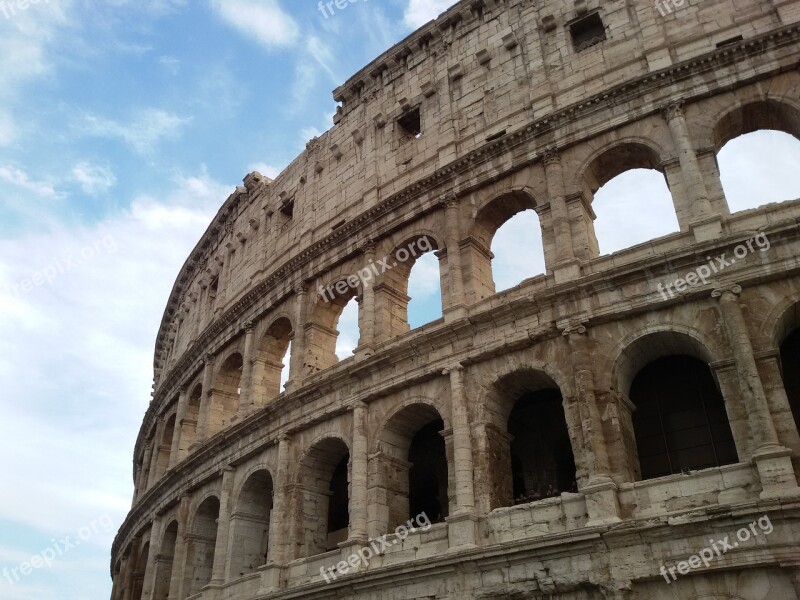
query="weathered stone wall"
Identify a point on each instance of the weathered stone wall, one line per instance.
(231, 472)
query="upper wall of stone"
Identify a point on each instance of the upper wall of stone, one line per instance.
(482, 69)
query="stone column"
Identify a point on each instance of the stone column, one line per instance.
(179, 567)
(602, 502)
(462, 523)
(705, 224)
(175, 451)
(205, 401)
(279, 521)
(566, 266)
(455, 303)
(772, 460)
(155, 448)
(124, 576)
(366, 345)
(298, 357)
(148, 587)
(358, 478)
(223, 529)
(144, 470)
(246, 397)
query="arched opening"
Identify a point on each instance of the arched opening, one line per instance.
(411, 470)
(679, 421)
(323, 498)
(139, 573)
(225, 395)
(529, 450)
(165, 447)
(629, 193)
(164, 562)
(271, 362)
(250, 524)
(396, 311)
(758, 150)
(200, 546)
(189, 424)
(332, 332)
(480, 281)
(542, 462)
(517, 250)
(790, 367)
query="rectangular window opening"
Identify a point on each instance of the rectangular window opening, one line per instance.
(411, 124)
(587, 31)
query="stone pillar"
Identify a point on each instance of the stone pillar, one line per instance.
(566, 266)
(155, 447)
(358, 477)
(246, 397)
(602, 502)
(366, 345)
(179, 567)
(455, 304)
(279, 522)
(175, 452)
(148, 587)
(223, 529)
(462, 523)
(771, 459)
(298, 357)
(205, 401)
(705, 224)
(144, 470)
(681, 199)
(124, 576)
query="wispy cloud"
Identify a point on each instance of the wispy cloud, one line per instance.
(419, 12)
(266, 170)
(93, 179)
(265, 22)
(143, 133)
(21, 179)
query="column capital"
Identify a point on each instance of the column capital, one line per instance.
(300, 289)
(449, 200)
(551, 156)
(248, 326)
(369, 246)
(456, 368)
(733, 288)
(673, 110)
(208, 359)
(572, 327)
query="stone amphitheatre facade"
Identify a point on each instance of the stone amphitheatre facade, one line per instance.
(574, 437)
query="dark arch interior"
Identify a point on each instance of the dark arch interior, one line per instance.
(680, 422)
(427, 477)
(338, 506)
(542, 461)
(790, 365)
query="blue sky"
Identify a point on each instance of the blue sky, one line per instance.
(123, 126)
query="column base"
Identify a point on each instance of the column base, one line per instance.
(776, 472)
(271, 579)
(709, 228)
(567, 270)
(454, 313)
(364, 351)
(602, 504)
(462, 531)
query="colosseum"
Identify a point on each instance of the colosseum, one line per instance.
(540, 442)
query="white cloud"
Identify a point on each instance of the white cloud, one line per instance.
(93, 179)
(21, 179)
(265, 169)
(149, 127)
(265, 21)
(419, 12)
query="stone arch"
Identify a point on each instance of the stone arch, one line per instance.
(675, 416)
(322, 496)
(391, 287)
(250, 522)
(489, 218)
(268, 364)
(200, 544)
(137, 583)
(165, 445)
(224, 397)
(321, 329)
(618, 158)
(165, 561)
(411, 467)
(189, 424)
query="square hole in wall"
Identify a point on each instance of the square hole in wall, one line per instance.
(587, 31)
(411, 124)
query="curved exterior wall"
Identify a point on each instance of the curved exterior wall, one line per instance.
(515, 113)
